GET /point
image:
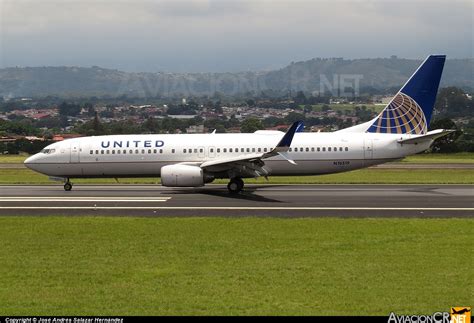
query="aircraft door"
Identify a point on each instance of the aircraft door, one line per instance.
(368, 149)
(75, 151)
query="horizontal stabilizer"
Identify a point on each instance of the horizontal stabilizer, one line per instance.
(432, 135)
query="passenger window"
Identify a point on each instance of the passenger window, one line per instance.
(184, 151)
(329, 148)
(107, 152)
(307, 149)
(124, 151)
(91, 152)
(137, 151)
(264, 150)
(131, 151)
(312, 149)
(195, 150)
(289, 149)
(172, 151)
(118, 151)
(96, 152)
(190, 151)
(259, 150)
(347, 149)
(225, 150)
(253, 150)
(324, 148)
(101, 152)
(230, 150)
(161, 151)
(248, 150)
(335, 148)
(218, 150)
(113, 152)
(340, 148)
(149, 151)
(154, 151)
(201, 150)
(211, 150)
(143, 151)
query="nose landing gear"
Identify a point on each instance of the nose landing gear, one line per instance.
(68, 185)
(235, 185)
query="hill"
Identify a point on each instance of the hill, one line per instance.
(315, 75)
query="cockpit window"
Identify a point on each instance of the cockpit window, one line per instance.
(48, 151)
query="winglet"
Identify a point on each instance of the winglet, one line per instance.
(300, 127)
(285, 142)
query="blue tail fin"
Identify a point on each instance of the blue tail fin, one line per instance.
(410, 110)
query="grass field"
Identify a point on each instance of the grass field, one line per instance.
(12, 159)
(363, 176)
(458, 158)
(221, 266)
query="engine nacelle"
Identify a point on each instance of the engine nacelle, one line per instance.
(182, 176)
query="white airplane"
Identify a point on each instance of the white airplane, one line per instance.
(192, 160)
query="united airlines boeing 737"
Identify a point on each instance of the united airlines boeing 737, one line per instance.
(192, 160)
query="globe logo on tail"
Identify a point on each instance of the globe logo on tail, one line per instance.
(402, 115)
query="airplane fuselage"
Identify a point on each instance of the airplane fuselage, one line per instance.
(145, 155)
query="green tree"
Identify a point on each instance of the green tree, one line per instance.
(300, 98)
(69, 109)
(446, 144)
(251, 125)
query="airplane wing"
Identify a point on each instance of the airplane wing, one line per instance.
(431, 135)
(252, 164)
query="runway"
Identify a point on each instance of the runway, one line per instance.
(257, 200)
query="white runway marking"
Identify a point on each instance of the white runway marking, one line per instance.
(82, 199)
(238, 208)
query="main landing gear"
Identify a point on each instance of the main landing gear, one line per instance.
(235, 185)
(68, 185)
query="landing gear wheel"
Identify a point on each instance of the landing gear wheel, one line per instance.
(67, 186)
(235, 185)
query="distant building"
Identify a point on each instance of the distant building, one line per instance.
(61, 137)
(195, 129)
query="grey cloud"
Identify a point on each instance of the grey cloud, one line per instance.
(211, 35)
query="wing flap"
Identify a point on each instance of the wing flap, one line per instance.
(240, 158)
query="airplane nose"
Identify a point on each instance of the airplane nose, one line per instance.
(30, 161)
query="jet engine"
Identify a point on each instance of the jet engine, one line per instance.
(182, 176)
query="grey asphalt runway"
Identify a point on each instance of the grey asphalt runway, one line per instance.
(257, 200)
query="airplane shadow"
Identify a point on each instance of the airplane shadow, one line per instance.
(246, 194)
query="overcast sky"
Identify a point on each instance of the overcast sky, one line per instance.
(227, 35)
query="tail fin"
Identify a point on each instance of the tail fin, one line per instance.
(410, 110)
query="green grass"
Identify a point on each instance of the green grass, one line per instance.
(223, 266)
(363, 176)
(12, 159)
(458, 158)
